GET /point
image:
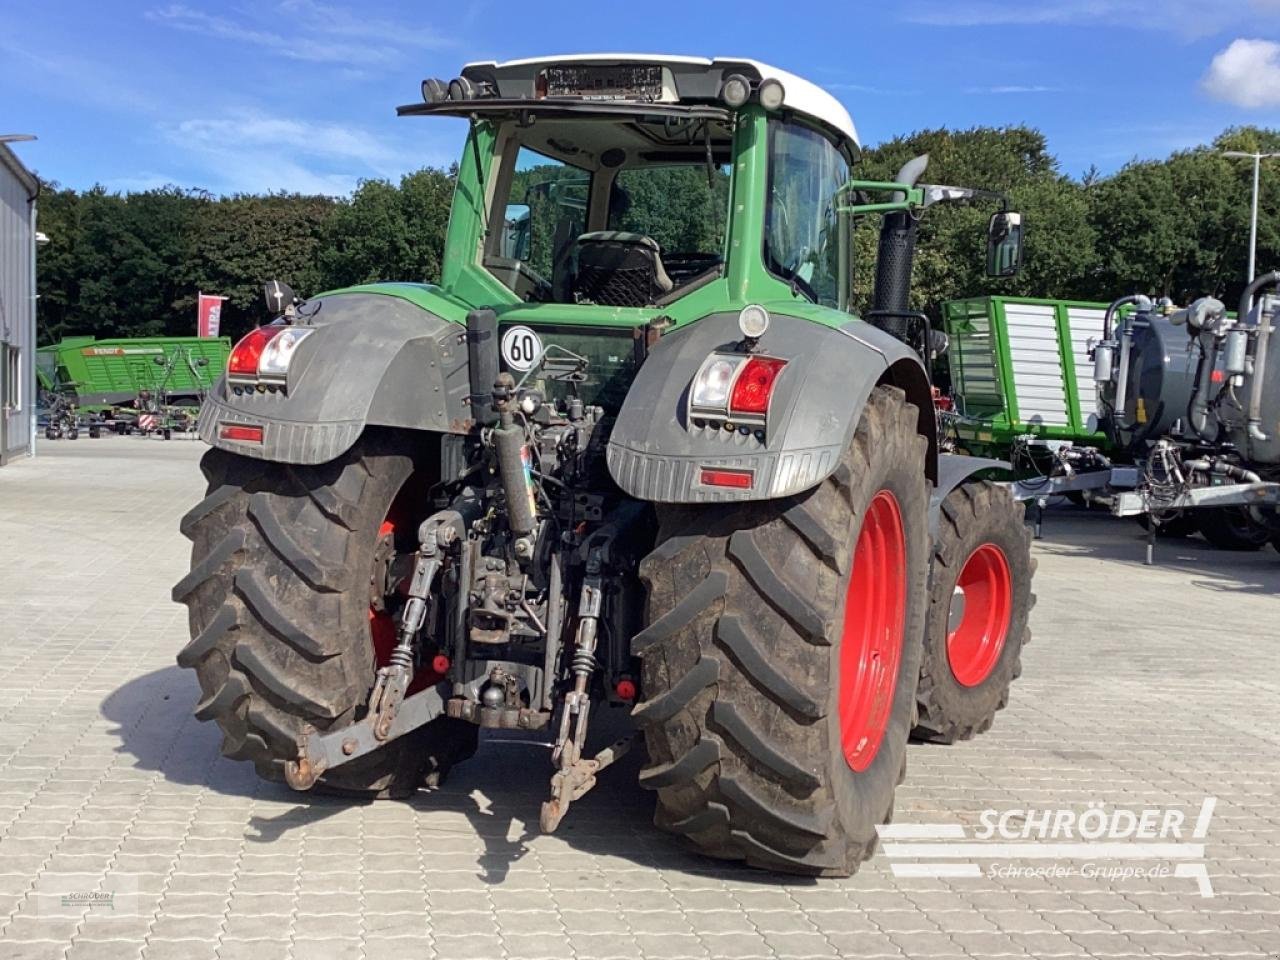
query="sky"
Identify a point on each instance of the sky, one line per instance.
(299, 95)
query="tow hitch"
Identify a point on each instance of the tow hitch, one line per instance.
(575, 775)
(391, 714)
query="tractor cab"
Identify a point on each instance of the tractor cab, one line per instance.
(633, 182)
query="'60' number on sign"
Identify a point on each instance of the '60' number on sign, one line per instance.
(521, 348)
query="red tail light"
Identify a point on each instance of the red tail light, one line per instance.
(754, 385)
(736, 479)
(239, 431)
(246, 354)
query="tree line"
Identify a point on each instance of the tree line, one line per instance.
(132, 264)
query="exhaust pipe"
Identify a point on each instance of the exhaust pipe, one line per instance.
(1259, 352)
(897, 250)
(482, 364)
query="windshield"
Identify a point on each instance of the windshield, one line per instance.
(801, 243)
(617, 212)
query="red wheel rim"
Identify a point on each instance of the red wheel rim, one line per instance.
(871, 641)
(986, 588)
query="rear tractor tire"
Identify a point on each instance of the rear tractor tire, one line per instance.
(979, 600)
(781, 653)
(279, 602)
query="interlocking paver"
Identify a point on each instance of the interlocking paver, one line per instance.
(126, 783)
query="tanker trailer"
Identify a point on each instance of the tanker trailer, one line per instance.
(1186, 393)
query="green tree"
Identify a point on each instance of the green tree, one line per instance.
(950, 261)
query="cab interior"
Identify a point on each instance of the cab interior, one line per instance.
(617, 211)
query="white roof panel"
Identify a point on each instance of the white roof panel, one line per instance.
(802, 96)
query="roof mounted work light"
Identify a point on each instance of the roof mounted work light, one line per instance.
(735, 91)
(771, 93)
(434, 91)
(460, 88)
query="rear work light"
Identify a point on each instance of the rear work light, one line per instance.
(734, 387)
(265, 353)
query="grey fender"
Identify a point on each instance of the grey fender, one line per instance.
(953, 470)
(373, 360)
(655, 452)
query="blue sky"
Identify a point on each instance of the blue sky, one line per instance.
(300, 94)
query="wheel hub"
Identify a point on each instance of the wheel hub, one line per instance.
(977, 633)
(871, 641)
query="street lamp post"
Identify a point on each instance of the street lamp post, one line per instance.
(1257, 159)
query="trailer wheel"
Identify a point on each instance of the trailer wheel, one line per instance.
(281, 612)
(780, 657)
(979, 599)
(1232, 528)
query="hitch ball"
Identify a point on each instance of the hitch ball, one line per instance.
(493, 696)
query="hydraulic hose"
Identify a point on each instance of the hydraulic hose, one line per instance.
(1198, 409)
(1259, 352)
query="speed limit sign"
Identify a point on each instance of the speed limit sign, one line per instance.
(521, 348)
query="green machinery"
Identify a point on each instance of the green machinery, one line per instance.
(1021, 367)
(102, 373)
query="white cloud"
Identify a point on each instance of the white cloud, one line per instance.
(1189, 18)
(308, 31)
(1246, 74)
(1013, 88)
(251, 151)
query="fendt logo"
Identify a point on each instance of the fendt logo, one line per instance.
(1098, 842)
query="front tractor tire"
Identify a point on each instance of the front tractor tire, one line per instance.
(979, 600)
(279, 603)
(781, 654)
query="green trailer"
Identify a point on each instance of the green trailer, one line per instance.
(102, 373)
(1019, 367)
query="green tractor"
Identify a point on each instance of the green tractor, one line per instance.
(634, 451)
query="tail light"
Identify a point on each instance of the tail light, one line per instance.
(243, 362)
(265, 353)
(725, 477)
(734, 387)
(754, 387)
(278, 354)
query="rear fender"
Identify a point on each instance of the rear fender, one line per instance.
(373, 360)
(655, 453)
(953, 470)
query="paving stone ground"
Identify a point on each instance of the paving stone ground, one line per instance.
(1143, 687)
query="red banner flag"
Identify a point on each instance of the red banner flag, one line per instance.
(208, 315)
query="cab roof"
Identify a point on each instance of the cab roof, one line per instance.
(694, 78)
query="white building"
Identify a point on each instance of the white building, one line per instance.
(18, 190)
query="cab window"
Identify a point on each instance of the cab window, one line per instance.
(546, 211)
(801, 242)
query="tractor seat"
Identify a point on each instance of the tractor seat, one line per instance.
(618, 269)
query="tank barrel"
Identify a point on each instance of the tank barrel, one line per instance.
(1259, 352)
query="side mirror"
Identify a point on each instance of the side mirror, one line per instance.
(279, 296)
(1004, 244)
(516, 224)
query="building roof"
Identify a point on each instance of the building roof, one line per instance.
(802, 96)
(9, 160)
